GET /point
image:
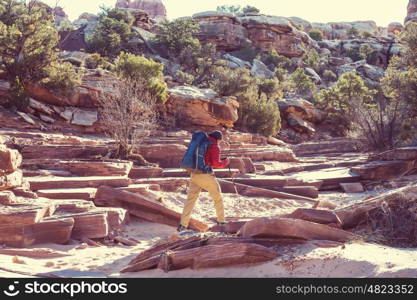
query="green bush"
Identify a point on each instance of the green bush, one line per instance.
(184, 78)
(281, 74)
(353, 32)
(302, 83)
(312, 59)
(95, 60)
(329, 76)
(130, 66)
(112, 33)
(256, 113)
(28, 50)
(316, 34)
(276, 60)
(263, 117)
(343, 100)
(62, 79)
(250, 10)
(231, 9)
(271, 88)
(366, 35)
(175, 36)
(368, 53)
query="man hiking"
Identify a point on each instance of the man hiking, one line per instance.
(206, 181)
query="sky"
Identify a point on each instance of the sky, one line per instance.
(382, 12)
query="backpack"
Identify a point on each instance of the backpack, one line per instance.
(194, 158)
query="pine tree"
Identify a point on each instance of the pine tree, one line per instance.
(28, 46)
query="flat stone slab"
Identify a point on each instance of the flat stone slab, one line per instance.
(81, 193)
(46, 183)
(356, 187)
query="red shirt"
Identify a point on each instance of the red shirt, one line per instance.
(212, 157)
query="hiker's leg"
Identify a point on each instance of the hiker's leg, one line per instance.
(212, 186)
(193, 192)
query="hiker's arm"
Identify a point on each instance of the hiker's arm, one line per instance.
(215, 160)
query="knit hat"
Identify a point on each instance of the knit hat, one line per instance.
(216, 135)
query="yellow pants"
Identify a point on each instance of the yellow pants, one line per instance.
(200, 182)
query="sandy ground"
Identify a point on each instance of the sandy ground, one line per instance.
(308, 260)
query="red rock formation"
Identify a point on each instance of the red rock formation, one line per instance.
(155, 8)
(202, 107)
(267, 32)
(411, 11)
(222, 29)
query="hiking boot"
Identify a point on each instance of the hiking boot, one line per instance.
(181, 228)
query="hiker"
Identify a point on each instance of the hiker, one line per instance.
(205, 180)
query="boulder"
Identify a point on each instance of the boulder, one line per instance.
(86, 95)
(89, 225)
(260, 70)
(222, 29)
(411, 11)
(10, 160)
(235, 62)
(300, 125)
(293, 228)
(7, 198)
(202, 107)
(350, 67)
(302, 109)
(313, 75)
(12, 180)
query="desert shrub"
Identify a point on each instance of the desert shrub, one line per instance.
(231, 9)
(129, 114)
(281, 74)
(262, 116)
(175, 36)
(62, 79)
(257, 113)
(399, 85)
(368, 53)
(344, 100)
(112, 33)
(366, 35)
(250, 10)
(353, 53)
(316, 34)
(28, 49)
(312, 59)
(272, 58)
(184, 78)
(329, 76)
(135, 67)
(353, 32)
(271, 88)
(95, 60)
(301, 83)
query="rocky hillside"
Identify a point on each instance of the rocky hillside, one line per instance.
(305, 202)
